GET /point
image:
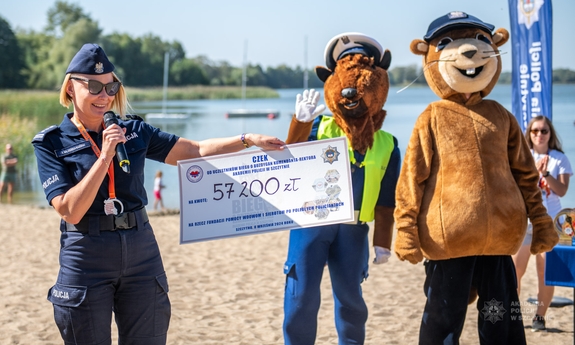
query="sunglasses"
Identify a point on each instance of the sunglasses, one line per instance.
(95, 87)
(543, 131)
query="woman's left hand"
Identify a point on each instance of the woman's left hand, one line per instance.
(264, 142)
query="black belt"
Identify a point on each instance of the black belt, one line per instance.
(127, 220)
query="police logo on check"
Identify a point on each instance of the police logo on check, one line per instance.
(330, 154)
(194, 173)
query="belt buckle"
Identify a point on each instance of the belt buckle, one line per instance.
(121, 222)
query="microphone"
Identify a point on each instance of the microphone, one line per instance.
(109, 119)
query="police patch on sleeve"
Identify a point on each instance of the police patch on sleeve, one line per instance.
(134, 117)
(40, 136)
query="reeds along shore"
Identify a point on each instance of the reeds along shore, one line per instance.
(228, 291)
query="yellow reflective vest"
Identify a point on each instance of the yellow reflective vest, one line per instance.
(375, 163)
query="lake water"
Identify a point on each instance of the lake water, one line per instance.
(207, 120)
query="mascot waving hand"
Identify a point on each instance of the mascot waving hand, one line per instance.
(356, 87)
(467, 185)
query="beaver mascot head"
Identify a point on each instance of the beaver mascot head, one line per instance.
(356, 88)
(461, 55)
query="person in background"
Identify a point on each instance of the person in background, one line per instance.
(158, 186)
(554, 170)
(8, 177)
(109, 257)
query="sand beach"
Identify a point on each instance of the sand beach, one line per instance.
(228, 291)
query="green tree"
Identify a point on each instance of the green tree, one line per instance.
(62, 15)
(125, 52)
(49, 73)
(35, 48)
(140, 61)
(255, 75)
(284, 77)
(11, 58)
(404, 75)
(563, 75)
(504, 78)
(187, 72)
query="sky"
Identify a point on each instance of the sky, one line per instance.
(293, 32)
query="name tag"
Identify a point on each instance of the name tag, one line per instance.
(72, 149)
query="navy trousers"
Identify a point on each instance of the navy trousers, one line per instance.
(118, 272)
(447, 287)
(345, 250)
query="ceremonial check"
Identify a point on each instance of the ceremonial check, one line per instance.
(306, 184)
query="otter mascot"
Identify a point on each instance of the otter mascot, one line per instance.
(466, 187)
(356, 85)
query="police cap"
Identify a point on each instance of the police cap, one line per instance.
(90, 59)
(351, 43)
(454, 20)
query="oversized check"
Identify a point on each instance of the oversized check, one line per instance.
(306, 184)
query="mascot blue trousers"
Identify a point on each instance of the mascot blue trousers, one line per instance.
(345, 249)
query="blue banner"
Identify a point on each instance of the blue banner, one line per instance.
(532, 71)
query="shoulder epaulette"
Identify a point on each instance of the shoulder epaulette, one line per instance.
(134, 117)
(40, 136)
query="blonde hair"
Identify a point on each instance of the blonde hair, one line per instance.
(120, 103)
(159, 173)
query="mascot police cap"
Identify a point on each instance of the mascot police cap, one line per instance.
(351, 43)
(454, 20)
(90, 59)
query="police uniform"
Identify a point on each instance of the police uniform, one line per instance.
(107, 262)
(345, 249)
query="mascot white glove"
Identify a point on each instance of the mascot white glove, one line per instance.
(381, 255)
(306, 108)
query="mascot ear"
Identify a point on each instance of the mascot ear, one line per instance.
(322, 73)
(385, 60)
(500, 37)
(419, 47)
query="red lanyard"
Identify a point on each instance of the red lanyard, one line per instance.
(111, 188)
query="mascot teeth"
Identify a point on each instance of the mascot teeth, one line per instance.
(470, 71)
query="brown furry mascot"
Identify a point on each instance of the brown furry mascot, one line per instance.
(467, 185)
(356, 87)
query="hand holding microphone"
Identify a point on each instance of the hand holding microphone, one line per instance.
(109, 119)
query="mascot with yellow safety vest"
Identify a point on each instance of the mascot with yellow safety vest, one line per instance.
(356, 85)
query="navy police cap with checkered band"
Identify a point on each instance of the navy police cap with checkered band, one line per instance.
(454, 20)
(90, 59)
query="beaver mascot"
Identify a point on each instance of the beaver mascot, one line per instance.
(356, 85)
(467, 185)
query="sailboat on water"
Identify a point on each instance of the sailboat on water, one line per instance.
(164, 115)
(243, 111)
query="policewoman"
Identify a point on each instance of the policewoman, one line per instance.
(109, 257)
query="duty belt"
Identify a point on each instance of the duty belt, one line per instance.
(126, 220)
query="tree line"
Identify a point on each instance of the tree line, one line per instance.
(38, 60)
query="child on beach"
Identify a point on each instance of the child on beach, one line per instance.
(158, 186)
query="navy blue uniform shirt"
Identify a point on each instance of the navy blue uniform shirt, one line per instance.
(64, 157)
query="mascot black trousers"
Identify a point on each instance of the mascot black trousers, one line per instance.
(447, 286)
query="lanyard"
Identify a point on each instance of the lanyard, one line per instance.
(82, 129)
